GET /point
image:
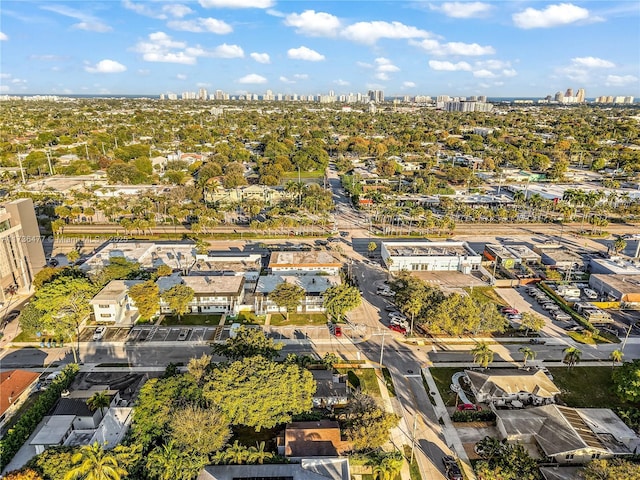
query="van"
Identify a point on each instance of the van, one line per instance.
(233, 330)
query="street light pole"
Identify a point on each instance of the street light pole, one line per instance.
(384, 334)
(413, 436)
(624, 343)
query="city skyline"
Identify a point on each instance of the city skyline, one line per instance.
(499, 49)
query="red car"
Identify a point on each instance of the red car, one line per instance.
(469, 406)
(337, 331)
(510, 310)
(398, 328)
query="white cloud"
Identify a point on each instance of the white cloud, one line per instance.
(87, 22)
(434, 47)
(304, 53)
(314, 24)
(342, 83)
(4, 88)
(364, 64)
(300, 76)
(592, 62)
(484, 73)
(260, 57)
(47, 58)
(143, 72)
(174, 10)
(5, 75)
(552, 16)
(620, 81)
(162, 48)
(492, 64)
(198, 25)
(509, 72)
(181, 76)
(370, 32)
(385, 65)
(106, 66)
(236, 3)
(462, 9)
(252, 78)
(203, 85)
(449, 66)
(286, 80)
(3, 36)
(408, 84)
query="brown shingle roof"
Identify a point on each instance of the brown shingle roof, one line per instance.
(12, 384)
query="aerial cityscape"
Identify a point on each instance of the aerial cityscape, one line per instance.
(267, 240)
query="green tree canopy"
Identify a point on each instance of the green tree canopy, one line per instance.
(340, 299)
(199, 430)
(248, 342)
(287, 295)
(626, 379)
(178, 298)
(146, 296)
(482, 354)
(260, 393)
(92, 462)
(368, 425)
(531, 321)
(613, 469)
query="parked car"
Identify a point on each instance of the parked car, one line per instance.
(550, 306)
(397, 314)
(515, 316)
(590, 294)
(99, 333)
(184, 333)
(398, 328)
(537, 341)
(468, 406)
(399, 322)
(451, 468)
(337, 331)
(510, 310)
(543, 299)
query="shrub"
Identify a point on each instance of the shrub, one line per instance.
(473, 416)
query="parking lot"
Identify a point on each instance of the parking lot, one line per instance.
(173, 334)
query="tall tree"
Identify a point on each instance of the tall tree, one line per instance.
(260, 393)
(94, 463)
(626, 380)
(527, 353)
(571, 356)
(199, 430)
(199, 367)
(531, 321)
(168, 462)
(288, 296)
(372, 247)
(340, 299)
(178, 298)
(146, 296)
(99, 401)
(248, 342)
(368, 425)
(482, 354)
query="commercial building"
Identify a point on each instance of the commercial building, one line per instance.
(21, 252)
(430, 256)
(304, 262)
(613, 266)
(558, 256)
(621, 288)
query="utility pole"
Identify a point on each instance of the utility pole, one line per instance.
(624, 343)
(384, 334)
(413, 436)
(21, 168)
(49, 161)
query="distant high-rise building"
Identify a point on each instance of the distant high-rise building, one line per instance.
(558, 97)
(569, 92)
(580, 96)
(203, 94)
(376, 96)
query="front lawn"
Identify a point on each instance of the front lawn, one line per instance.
(442, 377)
(192, 319)
(299, 319)
(586, 387)
(246, 318)
(363, 378)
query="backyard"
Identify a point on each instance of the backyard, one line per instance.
(586, 387)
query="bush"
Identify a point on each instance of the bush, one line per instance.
(473, 416)
(28, 422)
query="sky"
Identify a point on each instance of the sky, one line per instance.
(503, 48)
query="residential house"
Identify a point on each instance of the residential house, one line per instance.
(313, 285)
(320, 438)
(307, 469)
(212, 294)
(569, 435)
(331, 389)
(502, 386)
(15, 388)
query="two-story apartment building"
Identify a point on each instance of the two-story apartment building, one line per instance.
(112, 304)
(212, 294)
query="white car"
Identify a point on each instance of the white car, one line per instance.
(99, 333)
(400, 323)
(590, 294)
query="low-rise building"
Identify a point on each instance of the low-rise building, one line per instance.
(331, 389)
(150, 255)
(290, 262)
(313, 285)
(559, 256)
(112, 304)
(501, 254)
(501, 386)
(430, 256)
(613, 266)
(312, 439)
(621, 288)
(15, 388)
(307, 469)
(212, 294)
(569, 435)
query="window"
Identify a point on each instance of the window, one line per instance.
(105, 315)
(104, 306)
(569, 457)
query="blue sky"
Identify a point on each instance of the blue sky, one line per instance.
(505, 48)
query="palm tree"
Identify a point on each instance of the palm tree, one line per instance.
(388, 468)
(527, 353)
(482, 354)
(616, 357)
(95, 464)
(235, 454)
(99, 400)
(571, 356)
(258, 454)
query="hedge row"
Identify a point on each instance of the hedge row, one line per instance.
(473, 416)
(24, 427)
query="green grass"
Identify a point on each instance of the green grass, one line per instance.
(586, 387)
(603, 337)
(363, 378)
(246, 318)
(414, 470)
(294, 175)
(279, 320)
(387, 380)
(194, 319)
(442, 377)
(485, 295)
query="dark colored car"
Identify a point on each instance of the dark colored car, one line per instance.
(451, 468)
